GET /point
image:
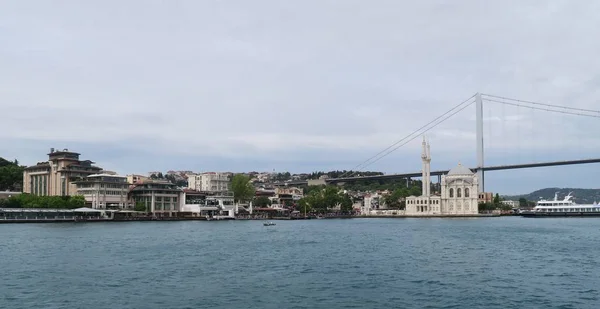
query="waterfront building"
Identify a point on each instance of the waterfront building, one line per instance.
(208, 204)
(57, 175)
(158, 196)
(459, 191)
(105, 191)
(512, 204)
(210, 182)
(287, 196)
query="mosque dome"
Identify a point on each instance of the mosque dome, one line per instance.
(460, 170)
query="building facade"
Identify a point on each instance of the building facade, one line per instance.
(58, 175)
(105, 191)
(132, 179)
(158, 197)
(210, 182)
(459, 191)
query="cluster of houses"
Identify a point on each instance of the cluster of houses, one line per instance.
(209, 194)
(206, 194)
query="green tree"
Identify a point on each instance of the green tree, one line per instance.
(261, 201)
(486, 207)
(346, 203)
(140, 206)
(393, 200)
(523, 202)
(304, 205)
(497, 199)
(323, 199)
(11, 175)
(76, 201)
(242, 188)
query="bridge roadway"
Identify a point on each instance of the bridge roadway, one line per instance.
(439, 173)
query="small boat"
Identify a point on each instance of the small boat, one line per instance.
(268, 223)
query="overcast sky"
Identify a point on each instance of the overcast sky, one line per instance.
(239, 85)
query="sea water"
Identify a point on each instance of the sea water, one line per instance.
(509, 262)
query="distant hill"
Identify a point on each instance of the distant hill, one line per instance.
(581, 196)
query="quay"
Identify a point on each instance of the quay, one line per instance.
(31, 215)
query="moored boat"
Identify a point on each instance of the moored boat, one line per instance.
(563, 208)
(268, 223)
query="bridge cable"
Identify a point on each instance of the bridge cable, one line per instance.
(547, 109)
(396, 143)
(542, 104)
(408, 138)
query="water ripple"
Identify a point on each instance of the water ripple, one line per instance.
(362, 263)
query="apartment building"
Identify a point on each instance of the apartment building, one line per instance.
(210, 182)
(57, 176)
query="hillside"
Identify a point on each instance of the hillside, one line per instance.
(581, 196)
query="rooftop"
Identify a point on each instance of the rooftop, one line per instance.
(460, 170)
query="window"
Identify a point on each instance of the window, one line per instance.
(458, 192)
(466, 192)
(451, 192)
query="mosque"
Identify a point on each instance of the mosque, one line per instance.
(459, 191)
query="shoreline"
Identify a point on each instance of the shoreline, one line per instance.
(176, 219)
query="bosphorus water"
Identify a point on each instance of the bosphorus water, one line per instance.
(508, 262)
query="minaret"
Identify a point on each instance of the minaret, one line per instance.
(426, 158)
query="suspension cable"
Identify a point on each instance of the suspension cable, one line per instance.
(366, 162)
(546, 109)
(542, 104)
(416, 135)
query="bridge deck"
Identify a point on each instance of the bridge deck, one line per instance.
(443, 172)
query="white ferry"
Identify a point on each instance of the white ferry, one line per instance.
(563, 208)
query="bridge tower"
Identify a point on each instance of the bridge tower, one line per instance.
(479, 137)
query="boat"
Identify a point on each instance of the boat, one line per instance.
(268, 223)
(562, 208)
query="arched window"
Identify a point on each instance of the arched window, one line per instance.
(466, 192)
(458, 193)
(451, 192)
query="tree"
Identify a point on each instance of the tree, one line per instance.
(393, 200)
(523, 202)
(140, 206)
(497, 199)
(242, 188)
(76, 201)
(11, 175)
(486, 207)
(304, 205)
(323, 199)
(262, 201)
(346, 203)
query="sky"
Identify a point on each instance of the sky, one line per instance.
(300, 86)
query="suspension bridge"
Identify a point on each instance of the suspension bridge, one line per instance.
(480, 168)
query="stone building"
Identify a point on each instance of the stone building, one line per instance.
(57, 176)
(459, 191)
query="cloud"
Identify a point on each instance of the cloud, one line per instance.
(308, 81)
